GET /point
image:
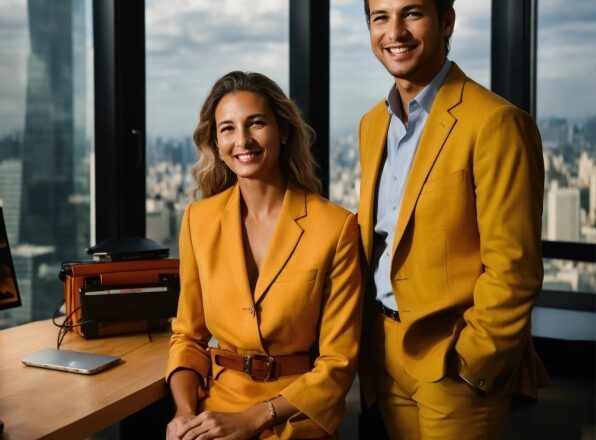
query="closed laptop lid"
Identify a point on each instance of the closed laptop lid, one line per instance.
(72, 361)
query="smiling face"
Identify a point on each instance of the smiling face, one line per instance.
(408, 38)
(248, 136)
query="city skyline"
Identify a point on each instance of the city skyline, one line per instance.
(190, 44)
(46, 116)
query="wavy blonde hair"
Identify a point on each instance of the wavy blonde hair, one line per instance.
(298, 165)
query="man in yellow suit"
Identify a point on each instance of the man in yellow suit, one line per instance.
(450, 217)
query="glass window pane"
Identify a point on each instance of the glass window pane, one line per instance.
(358, 80)
(566, 275)
(189, 46)
(566, 107)
(566, 113)
(470, 43)
(46, 133)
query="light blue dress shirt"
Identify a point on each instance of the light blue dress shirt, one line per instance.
(401, 146)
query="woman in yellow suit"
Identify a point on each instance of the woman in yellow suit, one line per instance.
(268, 268)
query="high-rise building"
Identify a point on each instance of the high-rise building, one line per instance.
(563, 216)
(10, 195)
(54, 148)
(554, 132)
(585, 165)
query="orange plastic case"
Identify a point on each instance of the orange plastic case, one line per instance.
(108, 298)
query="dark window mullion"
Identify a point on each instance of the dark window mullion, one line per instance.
(119, 38)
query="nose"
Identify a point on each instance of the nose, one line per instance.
(244, 137)
(396, 29)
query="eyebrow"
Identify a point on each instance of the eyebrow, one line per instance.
(377, 12)
(402, 9)
(227, 121)
(253, 116)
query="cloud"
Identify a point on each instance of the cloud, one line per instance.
(192, 43)
(566, 59)
(470, 43)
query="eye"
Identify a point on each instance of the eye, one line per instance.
(379, 18)
(257, 123)
(225, 128)
(413, 14)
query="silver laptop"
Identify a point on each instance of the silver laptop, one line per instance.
(72, 361)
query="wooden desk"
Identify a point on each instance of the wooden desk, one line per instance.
(37, 403)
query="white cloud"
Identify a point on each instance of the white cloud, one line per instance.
(192, 43)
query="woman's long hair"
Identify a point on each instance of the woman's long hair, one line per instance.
(298, 166)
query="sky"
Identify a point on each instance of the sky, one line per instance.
(190, 43)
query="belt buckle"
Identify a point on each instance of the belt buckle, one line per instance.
(247, 366)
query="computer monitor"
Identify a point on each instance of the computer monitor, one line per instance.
(9, 289)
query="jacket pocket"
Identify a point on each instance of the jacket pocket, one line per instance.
(444, 181)
(297, 276)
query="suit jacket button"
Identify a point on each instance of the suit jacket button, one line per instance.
(480, 382)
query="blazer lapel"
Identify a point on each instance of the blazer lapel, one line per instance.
(231, 225)
(438, 127)
(285, 238)
(374, 141)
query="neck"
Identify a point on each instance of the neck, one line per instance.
(408, 89)
(261, 199)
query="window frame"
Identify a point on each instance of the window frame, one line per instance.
(120, 127)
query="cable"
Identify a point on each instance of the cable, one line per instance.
(66, 325)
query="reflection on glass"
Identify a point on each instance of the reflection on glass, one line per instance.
(44, 144)
(190, 45)
(359, 81)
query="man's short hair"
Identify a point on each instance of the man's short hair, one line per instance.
(442, 7)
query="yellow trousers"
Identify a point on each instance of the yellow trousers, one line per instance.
(443, 410)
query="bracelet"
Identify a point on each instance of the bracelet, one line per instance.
(271, 409)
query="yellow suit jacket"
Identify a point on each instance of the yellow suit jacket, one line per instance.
(467, 259)
(308, 298)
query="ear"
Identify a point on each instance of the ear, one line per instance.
(284, 135)
(448, 22)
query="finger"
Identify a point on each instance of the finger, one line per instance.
(171, 434)
(174, 428)
(200, 432)
(191, 428)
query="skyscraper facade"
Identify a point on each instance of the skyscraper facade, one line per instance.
(54, 147)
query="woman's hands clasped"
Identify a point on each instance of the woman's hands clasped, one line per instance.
(213, 425)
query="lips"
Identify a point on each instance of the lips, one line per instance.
(399, 51)
(248, 156)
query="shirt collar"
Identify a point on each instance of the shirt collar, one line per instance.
(426, 96)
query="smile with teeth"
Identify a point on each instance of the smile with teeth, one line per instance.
(248, 156)
(399, 50)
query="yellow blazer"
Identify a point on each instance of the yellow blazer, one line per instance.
(467, 259)
(307, 299)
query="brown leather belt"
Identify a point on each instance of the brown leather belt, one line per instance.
(261, 368)
(389, 313)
